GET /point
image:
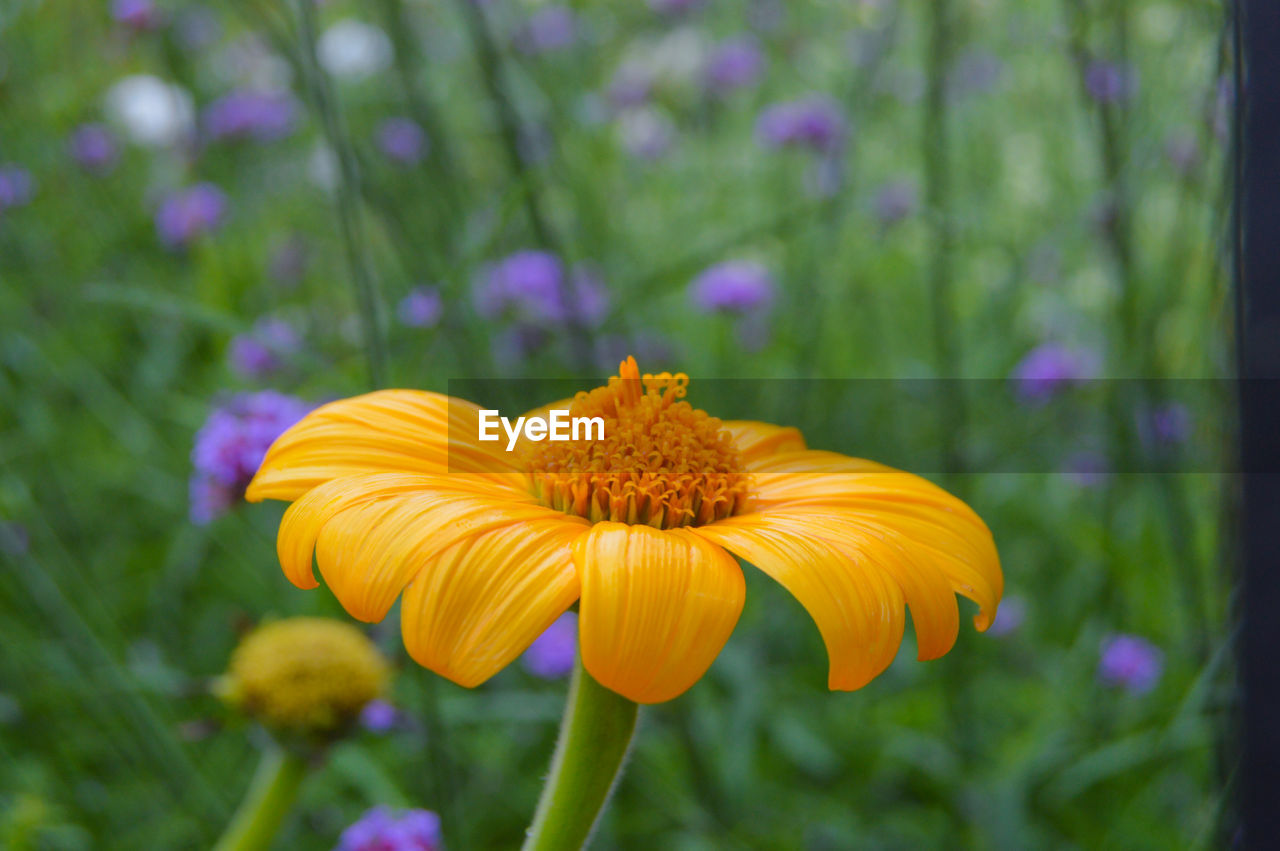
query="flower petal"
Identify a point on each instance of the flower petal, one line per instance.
(656, 607)
(372, 534)
(859, 612)
(757, 440)
(387, 431)
(938, 525)
(481, 602)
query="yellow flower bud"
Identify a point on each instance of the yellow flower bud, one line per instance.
(304, 676)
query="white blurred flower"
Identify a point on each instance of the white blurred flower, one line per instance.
(151, 111)
(351, 48)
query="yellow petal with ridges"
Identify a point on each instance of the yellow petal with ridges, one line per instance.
(859, 612)
(387, 431)
(959, 543)
(481, 602)
(656, 607)
(371, 534)
(756, 440)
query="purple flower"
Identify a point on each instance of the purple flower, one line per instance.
(231, 444)
(631, 86)
(815, 122)
(552, 654)
(533, 286)
(645, 133)
(672, 8)
(137, 14)
(379, 716)
(94, 148)
(734, 64)
(190, 213)
(1049, 368)
(1130, 662)
(17, 187)
(421, 308)
(734, 286)
(1108, 82)
(264, 349)
(1087, 469)
(403, 141)
(1010, 615)
(895, 201)
(381, 829)
(248, 114)
(1166, 425)
(548, 29)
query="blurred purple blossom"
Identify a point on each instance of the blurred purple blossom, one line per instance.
(815, 122)
(403, 140)
(1087, 469)
(190, 213)
(645, 133)
(264, 349)
(630, 86)
(231, 444)
(17, 186)
(1130, 662)
(381, 829)
(734, 286)
(379, 716)
(734, 64)
(552, 654)
(534, 286)
(547, 29)
(1049, 368)
(94, 148)
(1108, 82)
(247, 114)
(895, 200)
(421, 308)
(137, 14)
(1166, 425)
(1009, 617)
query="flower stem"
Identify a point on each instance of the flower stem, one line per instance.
(266, 803)
(594, 736)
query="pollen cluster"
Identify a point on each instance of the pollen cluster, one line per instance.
(662, 463)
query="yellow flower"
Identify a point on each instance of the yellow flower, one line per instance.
(393, 492)
(307, 676)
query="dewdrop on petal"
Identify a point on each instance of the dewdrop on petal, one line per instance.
(305, 677)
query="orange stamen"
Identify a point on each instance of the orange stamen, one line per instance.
(662, 462)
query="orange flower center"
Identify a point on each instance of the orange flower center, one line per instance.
(662, 462)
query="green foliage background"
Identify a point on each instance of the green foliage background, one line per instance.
(1044, 216)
